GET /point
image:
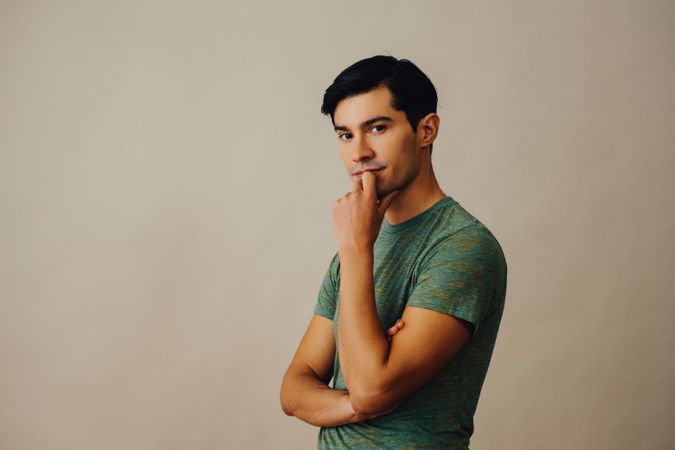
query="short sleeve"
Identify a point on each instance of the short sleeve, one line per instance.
(328, 292)
(459, 275)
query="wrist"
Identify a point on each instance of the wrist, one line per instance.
(355, 251)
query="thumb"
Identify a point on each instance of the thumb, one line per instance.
(386, 202)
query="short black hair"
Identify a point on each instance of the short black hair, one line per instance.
(412, 91)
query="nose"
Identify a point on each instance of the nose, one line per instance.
(361, 151)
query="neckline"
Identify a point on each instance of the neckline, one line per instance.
(396, 228)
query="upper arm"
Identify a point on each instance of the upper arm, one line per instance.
(454, 292)
(316, 351)
(426, 343)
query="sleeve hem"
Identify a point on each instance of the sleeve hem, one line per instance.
(323, 313)
(454, 312)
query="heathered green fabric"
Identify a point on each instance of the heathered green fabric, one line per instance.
(445, 260)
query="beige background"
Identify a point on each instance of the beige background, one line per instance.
(165, 189)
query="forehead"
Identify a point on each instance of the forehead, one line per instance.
(355, 109)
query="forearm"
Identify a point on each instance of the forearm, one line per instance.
(310, 400)
(364, 347)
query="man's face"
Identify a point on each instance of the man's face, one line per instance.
(376, 137)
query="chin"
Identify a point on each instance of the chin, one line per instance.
(381, 193)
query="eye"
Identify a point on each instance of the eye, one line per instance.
(344, 136)
(380, 127)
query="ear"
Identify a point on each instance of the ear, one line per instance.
(427, 129)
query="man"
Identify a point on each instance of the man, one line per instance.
(405, 249)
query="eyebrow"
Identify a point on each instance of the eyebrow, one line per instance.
(366, 123)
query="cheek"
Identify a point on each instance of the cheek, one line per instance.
(393, 142)
(406, 166)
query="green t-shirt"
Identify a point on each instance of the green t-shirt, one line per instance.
(445, 260)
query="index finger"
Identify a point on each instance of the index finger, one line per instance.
(358, 185)
(368, 179)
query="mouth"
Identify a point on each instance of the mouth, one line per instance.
(360, 172)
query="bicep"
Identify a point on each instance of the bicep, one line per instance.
(426, 343)
(316, 350)
(452, 295)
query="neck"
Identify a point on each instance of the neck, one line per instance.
(415, 198)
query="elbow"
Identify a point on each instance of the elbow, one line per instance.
(361, 406)
(285, 400)
(288, 411)
(285, 407)
(374, 397)
(368, 401)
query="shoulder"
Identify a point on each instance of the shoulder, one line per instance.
(461, 235)
(332, 275)
(334, 266)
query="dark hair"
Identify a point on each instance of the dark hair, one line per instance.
(412, 91)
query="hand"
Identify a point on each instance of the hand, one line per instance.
(394, 329)
(358, 215)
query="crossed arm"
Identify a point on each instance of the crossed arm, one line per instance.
(305, 392)
(380, 369)
(381, 374)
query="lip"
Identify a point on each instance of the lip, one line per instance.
(360, 172)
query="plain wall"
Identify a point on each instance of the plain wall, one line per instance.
(166, 180)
